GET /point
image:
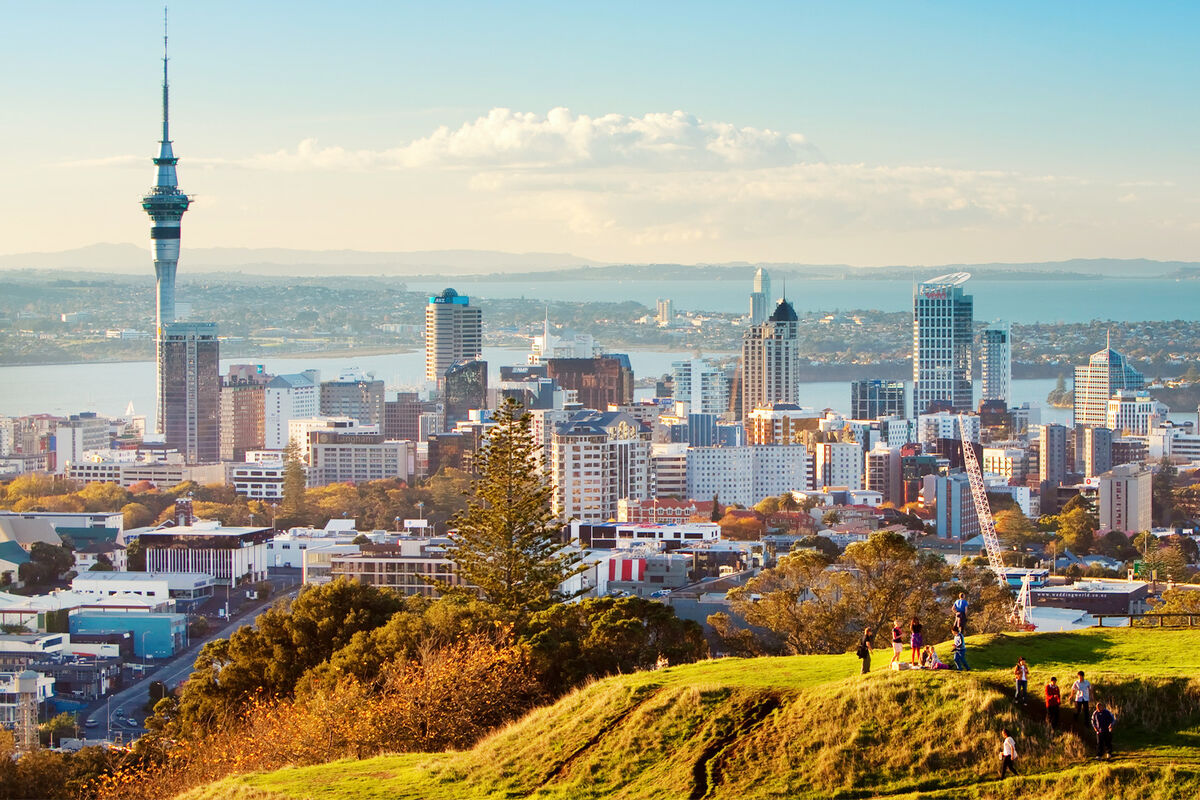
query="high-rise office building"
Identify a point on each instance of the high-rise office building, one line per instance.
(354, 395)
(771, 360)
(597, 382)
(1052, 463)
(942, 339)
(1096, 382)
(166, 205)
(243, 410)
(760, 298)
(1097, 451)
(1126, 498)
(876, 399)
(466, 386)
(453, 333)
(402, 416)
(664, 311)
(190, 388)
(995, 362)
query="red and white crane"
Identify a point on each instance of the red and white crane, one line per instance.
(987, 528)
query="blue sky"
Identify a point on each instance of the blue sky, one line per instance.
(869, 133)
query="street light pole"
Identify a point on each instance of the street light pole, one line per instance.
(144, 651)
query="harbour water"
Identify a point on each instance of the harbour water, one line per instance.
(108, 389)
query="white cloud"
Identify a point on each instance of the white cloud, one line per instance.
(506, 139)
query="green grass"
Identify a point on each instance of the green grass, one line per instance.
(810, 727)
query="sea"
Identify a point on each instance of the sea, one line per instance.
(1021, 301)
(109, 388)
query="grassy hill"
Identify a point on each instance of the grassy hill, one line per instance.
(810, 727)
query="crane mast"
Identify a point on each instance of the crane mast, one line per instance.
(987, 527)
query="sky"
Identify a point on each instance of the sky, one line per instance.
(848, 132)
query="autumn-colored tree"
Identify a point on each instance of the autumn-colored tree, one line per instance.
(1014, 529)
(1076, 530)
(507, 544)
(800, 602)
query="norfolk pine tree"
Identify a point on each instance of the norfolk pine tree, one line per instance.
(507, 543)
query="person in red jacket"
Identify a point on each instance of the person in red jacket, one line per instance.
(1053, 702)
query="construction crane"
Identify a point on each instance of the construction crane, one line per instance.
(987, 528)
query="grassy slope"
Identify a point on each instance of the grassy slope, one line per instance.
(810, 727)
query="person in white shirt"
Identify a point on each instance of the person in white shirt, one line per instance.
(1008, 754)
(1081, 693)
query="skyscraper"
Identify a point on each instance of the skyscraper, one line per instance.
(875, 399)
(760, 298)
(190, 388)
(165, 204)
(1096, 382)
(942, 334)
(701, 383)
(453, 332)
(995, 361)
(771, 361)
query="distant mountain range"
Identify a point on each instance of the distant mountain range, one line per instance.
(284, 262)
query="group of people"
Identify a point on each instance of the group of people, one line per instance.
(1102, 719)
(922, 656)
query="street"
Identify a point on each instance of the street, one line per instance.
(130, 702)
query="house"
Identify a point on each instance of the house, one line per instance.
(100, 552)
(12, 556)
(27, 531)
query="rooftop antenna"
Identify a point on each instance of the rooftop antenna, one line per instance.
(1108, 338)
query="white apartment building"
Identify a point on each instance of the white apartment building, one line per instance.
(1174, 442)
(1125, 499)
(357, 454)
(1008, 462)
(261, 480)
(162, 474)
(1134, 412)
(703, 385)
(944, 425)
(289, 397)
(749, 473)
(299, 429)
(599, 458)
(668, 470)
(839, 464)
(77, 436)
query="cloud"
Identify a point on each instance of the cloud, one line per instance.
(507, 139)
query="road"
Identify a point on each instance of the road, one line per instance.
(132, 699)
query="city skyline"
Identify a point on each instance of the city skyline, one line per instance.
(944, 132)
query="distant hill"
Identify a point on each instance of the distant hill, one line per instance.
(283, 262)
(126, 258)
(809, 727)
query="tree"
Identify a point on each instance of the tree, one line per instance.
(294, 507)
(135, 556)
(103, 564)
(507, 544)
(787, 502)
(52, 731)
(831, 518)
(269, 658)
(717, 512)
(768, 505)
(1014, 529)
(137, 515)
(822, 544)
(799, 602)
(1076, 529)
(1162, 497)
(47, 564)
(893, 580)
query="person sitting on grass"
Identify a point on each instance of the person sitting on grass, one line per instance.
(930, 660)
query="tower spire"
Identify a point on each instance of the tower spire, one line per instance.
(166, 137)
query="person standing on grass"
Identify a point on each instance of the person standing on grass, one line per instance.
(1103, 721)
(864, 649)
(1021, 673)
(915, 641)
(897, 641)
(960, 611)
(1008, 754)
(1081, 693)
(960, 650)
(1053, 702)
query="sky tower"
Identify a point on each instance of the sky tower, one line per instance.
(165, 204)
